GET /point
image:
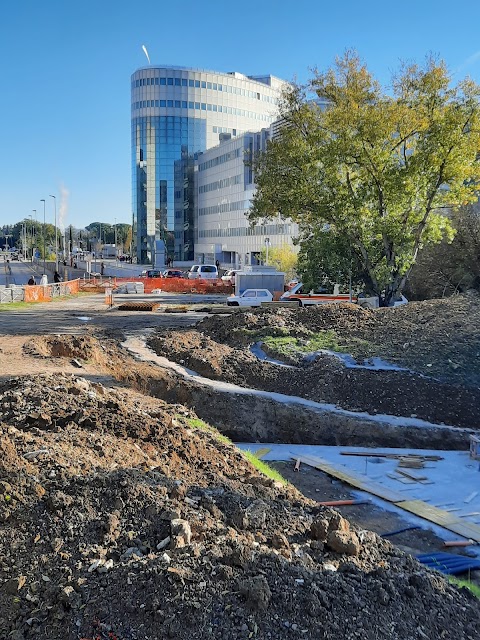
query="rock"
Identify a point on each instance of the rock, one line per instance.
(253, 517)
(240, 556)
(181, 533)
(256, 592)
(337, 523)
(279, 541)
(164, 543)
(344, 542)
(256, 515)
(131, 552)
(106, 566)
(319, 529)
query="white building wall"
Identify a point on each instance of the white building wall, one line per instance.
(223, 199)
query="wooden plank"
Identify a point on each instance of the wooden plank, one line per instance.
(424, 510)
(471, 497)
(401, 479)
(377, 454)
(412, 476)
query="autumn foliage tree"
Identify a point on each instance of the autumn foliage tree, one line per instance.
(378, 168)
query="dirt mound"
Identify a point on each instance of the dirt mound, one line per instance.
(121, 519)
(438, 338)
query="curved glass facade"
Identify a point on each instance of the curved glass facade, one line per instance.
(178, 113)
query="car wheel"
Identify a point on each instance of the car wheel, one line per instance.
(232, 304)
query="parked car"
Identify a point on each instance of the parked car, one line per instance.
(229, 276)
(250, 298)
(151, 273)
(173, 273)
(203, 271)
(299, 294)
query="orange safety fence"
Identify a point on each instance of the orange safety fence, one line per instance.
(169, 285)
(46, 292)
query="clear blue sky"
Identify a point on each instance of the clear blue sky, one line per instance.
(66, 66)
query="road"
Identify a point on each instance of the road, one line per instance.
(78, 315)
(21, 272)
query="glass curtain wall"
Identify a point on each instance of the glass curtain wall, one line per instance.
(159, 144)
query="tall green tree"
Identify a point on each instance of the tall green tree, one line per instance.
(378, 168)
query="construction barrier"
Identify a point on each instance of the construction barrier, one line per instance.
(169, 285)
(46, 293)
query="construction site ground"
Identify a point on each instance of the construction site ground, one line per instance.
(124, 517)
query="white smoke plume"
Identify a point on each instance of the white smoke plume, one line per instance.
(63, 211)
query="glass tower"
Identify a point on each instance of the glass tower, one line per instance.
(178, 113)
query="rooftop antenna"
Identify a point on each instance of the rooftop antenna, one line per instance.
(146, 53)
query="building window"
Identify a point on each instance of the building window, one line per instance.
(170, 81)
(177, 82)
(163, 81)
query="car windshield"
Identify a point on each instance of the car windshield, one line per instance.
(194, 268)
(208, 269)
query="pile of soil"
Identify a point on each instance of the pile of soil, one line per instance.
(438, 338)
(118, 520)
(219, 349)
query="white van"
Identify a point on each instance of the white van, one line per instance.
(203, 271)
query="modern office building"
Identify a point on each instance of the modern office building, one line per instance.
(224, 187)
(176, 114)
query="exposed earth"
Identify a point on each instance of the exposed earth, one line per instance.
(124, 517)
(437, 342)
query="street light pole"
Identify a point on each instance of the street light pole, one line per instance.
(115, 228)
(56, 233)
(267, 244)
(44, 240)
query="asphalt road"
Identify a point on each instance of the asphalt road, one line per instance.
(80, 314)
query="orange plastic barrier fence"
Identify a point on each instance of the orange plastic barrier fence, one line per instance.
(46, 293)
(180, 285)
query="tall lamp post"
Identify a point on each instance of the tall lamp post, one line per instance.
(44, 240)
(115, 228)
(56, 233)
(34, 229)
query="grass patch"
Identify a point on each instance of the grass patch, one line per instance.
(288, 345)
(263, 467)
(14, 306)
(196, 423)
(326, 340)
(475, 589)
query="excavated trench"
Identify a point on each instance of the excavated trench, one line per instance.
(249, 414)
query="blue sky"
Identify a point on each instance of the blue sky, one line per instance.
(66, 66)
